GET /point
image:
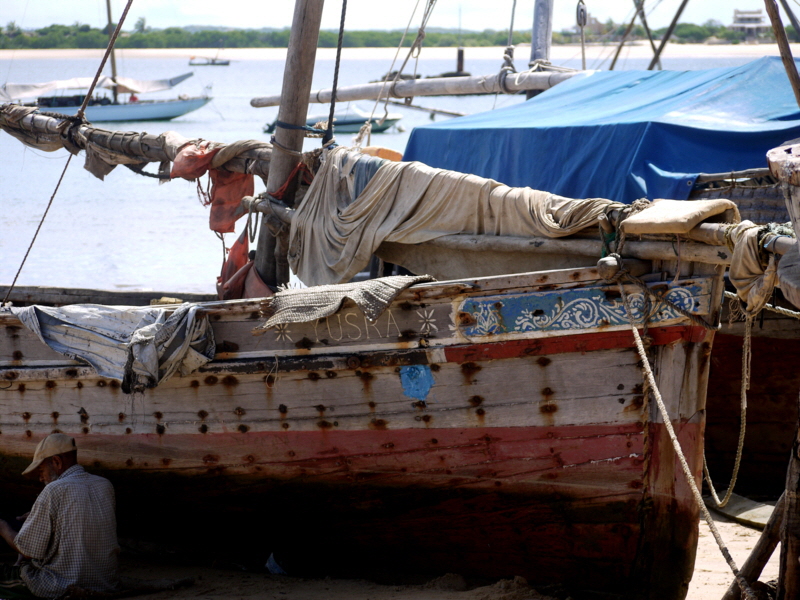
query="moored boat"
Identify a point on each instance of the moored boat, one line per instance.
(349, 120)
(496, 425)
(104, 109)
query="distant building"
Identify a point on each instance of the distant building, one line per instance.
(749, 22)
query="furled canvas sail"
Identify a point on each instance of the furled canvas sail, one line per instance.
(125, 85)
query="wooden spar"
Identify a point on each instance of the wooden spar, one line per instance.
(113, 58)
(666, 37)
(710, 250)
(783, 46)
(142, 147)
(541, 36)
(432, 111)
(437, 86)
(789, 579)
(746, 174)
(271, 261)
(761, 553)
(640, 9)
(789, 13)
(622, 41)
(542, 32)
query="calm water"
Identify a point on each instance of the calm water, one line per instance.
(129, 232)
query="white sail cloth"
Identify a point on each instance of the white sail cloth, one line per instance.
(333, 236)
(139, 346)
(125, 85)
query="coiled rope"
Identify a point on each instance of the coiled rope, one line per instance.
(76, 120)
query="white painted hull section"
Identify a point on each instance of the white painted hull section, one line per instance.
(147, 110)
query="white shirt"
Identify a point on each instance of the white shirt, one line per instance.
(71, 536)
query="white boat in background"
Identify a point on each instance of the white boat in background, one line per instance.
(104, 108)
(207, 61)
(100, 109)
(349, 120)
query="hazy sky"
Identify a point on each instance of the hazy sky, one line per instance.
(361, 14)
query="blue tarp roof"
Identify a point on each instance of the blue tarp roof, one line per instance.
(623, 135)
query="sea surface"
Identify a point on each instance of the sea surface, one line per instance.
(130, 232)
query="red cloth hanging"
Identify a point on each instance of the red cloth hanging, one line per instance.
(239, 278)
(227, 189)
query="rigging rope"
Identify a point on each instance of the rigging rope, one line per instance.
(771, 307)
(748, 592)
(366, 128)
(746, 360)
(414, 50)
(329, 132)
(76, 120)
(508, 58)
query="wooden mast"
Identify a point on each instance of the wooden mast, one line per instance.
(113, 58)
(541, 36)
(783, 46)
(271, 260)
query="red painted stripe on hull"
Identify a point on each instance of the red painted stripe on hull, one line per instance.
(582, 343)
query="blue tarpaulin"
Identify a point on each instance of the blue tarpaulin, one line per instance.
(623, 135)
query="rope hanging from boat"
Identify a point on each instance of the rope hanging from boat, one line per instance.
(623, 273)
(312, 131)
(770, 307)
(414, 50)
(743, 584)
(508, 56)
(77, 120)
(746, 361)
(328, 137)
(366, 128)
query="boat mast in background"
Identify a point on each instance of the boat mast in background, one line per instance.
(110, 28)
(271, 260)
(541, 37)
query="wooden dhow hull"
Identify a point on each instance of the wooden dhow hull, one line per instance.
(494, 427)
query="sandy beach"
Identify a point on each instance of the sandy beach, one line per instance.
(559, 52)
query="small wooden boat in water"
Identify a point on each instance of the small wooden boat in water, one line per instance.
(349, 120)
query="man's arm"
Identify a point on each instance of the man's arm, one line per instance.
(8, 534)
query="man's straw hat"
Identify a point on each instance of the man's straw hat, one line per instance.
(55, 443)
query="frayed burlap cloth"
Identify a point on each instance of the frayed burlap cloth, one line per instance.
(372, 296)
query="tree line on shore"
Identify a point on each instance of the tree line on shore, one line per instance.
(80, 35)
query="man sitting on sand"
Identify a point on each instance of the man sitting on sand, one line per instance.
(69, 538)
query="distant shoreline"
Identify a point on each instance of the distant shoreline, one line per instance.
(558, 52)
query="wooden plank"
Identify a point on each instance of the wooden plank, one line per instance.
(54, 296)
(743, 510)
(448, 86)
(469, 395)
(761, 553)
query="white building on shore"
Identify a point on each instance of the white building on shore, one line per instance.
(750, 22)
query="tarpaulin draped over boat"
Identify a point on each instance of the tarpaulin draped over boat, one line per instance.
(125, 85)
(333, 236)
(139, 346)
(623, 134)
